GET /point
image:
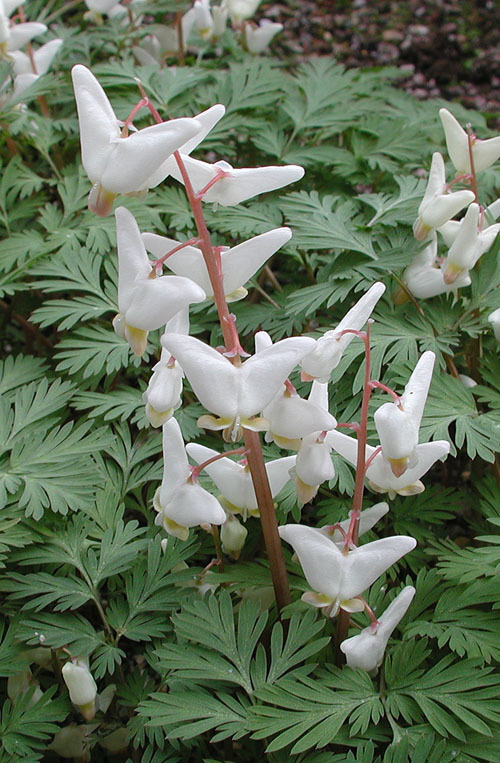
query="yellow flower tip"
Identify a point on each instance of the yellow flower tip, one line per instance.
(420, 229)
(137, 339)
(317, 599)
(88, 711)
(451, 273)
(237, 294)
(306, 377)
(157, 418)
(398, 465)
(175, 529)
(287, 443)
(399, 296)
(100, 200)
(305, 493)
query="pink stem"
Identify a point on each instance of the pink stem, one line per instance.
(196, 470)
(385, 388)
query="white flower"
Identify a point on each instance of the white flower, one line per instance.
(81, 686)
(257, 39)
(398, 424)
(239, 263)
(234, 186)
(290, 417)
(494, 319)
(163, 395)
(180, 502)
(425, 279)
(366, 650)
(330, 347)
(438, 205)
(339, 578)
(234, 480)
(14, 36)
(239, 10)
(368, 518)
(233, 536)
(235, 393)
(204, 22)
(381, 478)
(117, 164)
(469, 244)
(41, 57)
(314, 463)
(145, 301)
(484, 152)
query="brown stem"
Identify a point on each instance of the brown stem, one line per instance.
(343, 620)
(218, 548)
(252, 441)
(268, 521)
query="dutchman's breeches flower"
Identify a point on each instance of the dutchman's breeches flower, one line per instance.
(469, 244)
(398, 424)
(366, 650)
(235, 394)
(234, 480)
(438, 205)
(338, 578)
(425, 279)
(239, 263)
(117, 164)
(484, 152)
(180, 502)
(257, 38)
(368, 518)
(329, 348)
(381, 478)
(81, 686)
(145, 301)
(233, 185)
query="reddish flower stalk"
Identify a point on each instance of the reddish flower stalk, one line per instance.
(252, 441)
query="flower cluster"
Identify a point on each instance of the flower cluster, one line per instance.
(429, 275)
(158, 279)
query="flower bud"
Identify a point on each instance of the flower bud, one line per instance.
(233, 535)
(81, 686)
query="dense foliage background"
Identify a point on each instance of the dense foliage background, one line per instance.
(219, 678)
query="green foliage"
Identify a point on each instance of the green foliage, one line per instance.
(82, 569)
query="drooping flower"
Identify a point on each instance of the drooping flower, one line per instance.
(381, 478)
(494, 319)
(239, 10)
(424, 278)
(290, 417)
(14, 36)
(366, 650)
(439, 204)
(163, 394)
(117, 164)
(398, 424)
(180, 502)
(258, 38)
(233, 185)
(81, 686)
(42, 58)
(234, 479)
(484, 152)
(239, 263)
(469, 244)
(314, 463)
(204, 22)
(338, 578)
(368, 518)
(329, 348)
(233, 536)
(145, 301)
(235, 393)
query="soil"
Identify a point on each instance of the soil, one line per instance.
(446, 48)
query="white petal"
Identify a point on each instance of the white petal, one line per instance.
(379, 472)
(320, 559)
(175, 463)
(415, 395)
(292, 417)
(45, 54)
(207, 119)
(20, 34)
(314, 463)
(366, 563)
(367, 520)
(242, 184)
(241, 262)
(191, 505)
(329, 348)
(397, 431)
(133, 261)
